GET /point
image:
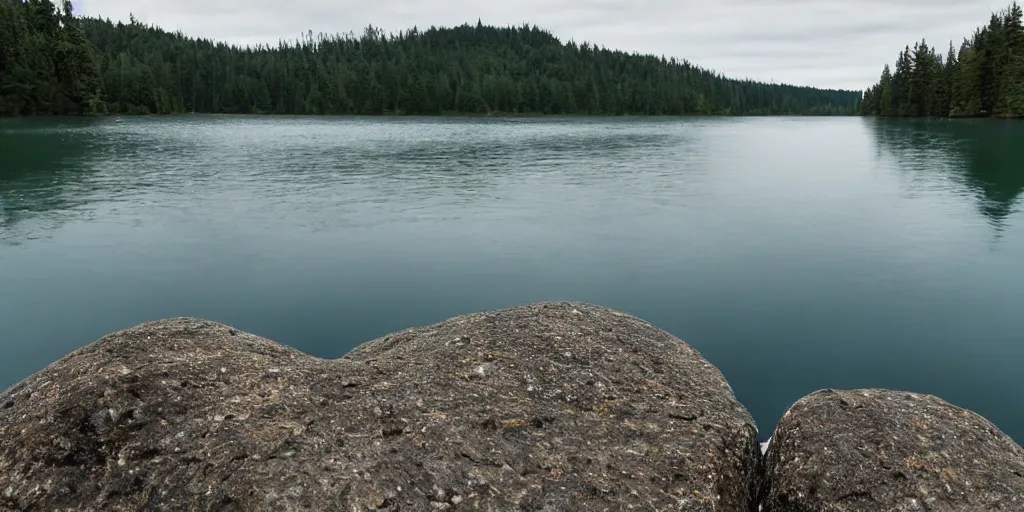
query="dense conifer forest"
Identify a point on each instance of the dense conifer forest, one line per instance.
(984, 77)
(54, 63)
(47, 65)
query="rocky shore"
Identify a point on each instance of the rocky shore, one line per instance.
(554, 406)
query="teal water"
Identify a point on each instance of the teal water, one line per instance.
(795, 254)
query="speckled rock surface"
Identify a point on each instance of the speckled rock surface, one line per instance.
(553, 406)
(878, 450)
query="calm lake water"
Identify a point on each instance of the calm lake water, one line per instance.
(795, 254)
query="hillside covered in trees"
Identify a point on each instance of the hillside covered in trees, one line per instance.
(984, 77)
(54, 63)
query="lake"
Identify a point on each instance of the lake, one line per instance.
(795, 253)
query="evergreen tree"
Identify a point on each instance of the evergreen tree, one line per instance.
(922, 81)
(1012, 98)
(76, 64)
(54, 63)
(47, 65)
(947, 90)
(985, 77)
(886, 102)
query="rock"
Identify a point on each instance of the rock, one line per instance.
(878, 450)
(544, 407)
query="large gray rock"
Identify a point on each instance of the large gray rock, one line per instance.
(877, 450)
(549, 406)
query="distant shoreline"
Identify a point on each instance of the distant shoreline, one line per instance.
(950, 118)
(495, 115)
(508, 115)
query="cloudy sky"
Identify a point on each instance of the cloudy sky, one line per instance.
(825, 43)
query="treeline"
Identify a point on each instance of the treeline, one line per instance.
(985, 77)
(467, 69)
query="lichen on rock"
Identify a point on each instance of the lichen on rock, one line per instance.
(881, 450)
(548, 406)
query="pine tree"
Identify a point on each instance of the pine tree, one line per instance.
(54, 63)
(47, 65)
(16, 78)
(922, 81)
(887, 101)
(985, 77)
(1012, 87)
(79, 74)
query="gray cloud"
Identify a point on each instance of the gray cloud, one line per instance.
(825, 43)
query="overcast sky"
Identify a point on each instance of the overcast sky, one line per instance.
(824, 43)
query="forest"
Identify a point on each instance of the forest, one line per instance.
(984, 77)
(52, 62)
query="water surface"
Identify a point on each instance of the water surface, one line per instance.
(795, 254)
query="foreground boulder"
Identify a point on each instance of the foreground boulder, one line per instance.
(549, 406)
(877, 450)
